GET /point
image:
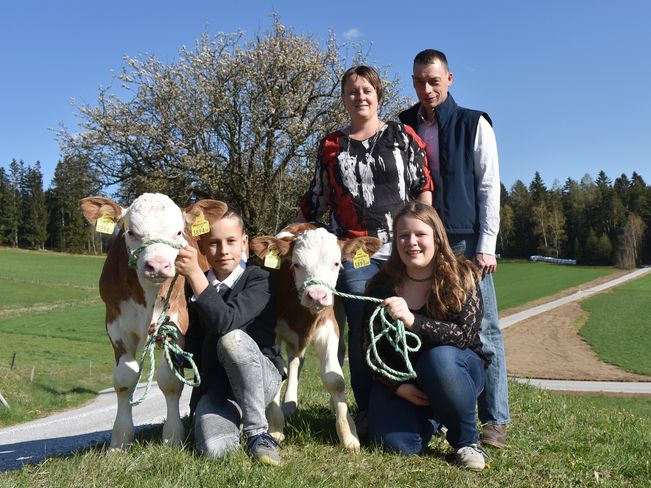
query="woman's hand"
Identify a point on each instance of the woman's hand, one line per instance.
(398, 310)
(412, 394)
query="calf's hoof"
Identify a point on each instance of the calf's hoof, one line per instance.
(289, 409)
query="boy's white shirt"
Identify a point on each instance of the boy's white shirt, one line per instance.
(230, 280)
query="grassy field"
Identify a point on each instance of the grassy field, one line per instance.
(51, 320)
(519, 282)
(619, 325)
(554, 441)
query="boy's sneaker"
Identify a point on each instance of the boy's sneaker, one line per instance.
(264, 448)
(493, 435)
(471, 457)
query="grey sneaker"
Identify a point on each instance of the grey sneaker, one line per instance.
(263, 448)
(471, 457)
(493, 435)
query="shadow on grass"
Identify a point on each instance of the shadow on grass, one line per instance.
(79, 390)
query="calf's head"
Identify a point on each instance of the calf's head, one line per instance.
(316, 257)
(153, 232)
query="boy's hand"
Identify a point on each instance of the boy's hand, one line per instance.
(188, 266)
(186, 261)
(399, 310)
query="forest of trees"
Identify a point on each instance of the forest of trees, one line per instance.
(240, 121)
(34, 218)
(595, 221)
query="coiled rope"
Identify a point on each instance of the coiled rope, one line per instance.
(165, 332)
(394, 331)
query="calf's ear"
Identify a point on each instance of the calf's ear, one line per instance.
(210, 209)
(295, 229)
(367, 243)
(263, 245)
(94, 207)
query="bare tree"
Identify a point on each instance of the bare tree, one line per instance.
(232, 119)
(630, 242)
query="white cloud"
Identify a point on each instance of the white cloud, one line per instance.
(353, 34)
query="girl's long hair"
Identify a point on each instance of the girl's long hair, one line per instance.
(454, 276)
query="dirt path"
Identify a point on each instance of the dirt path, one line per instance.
(548, 345)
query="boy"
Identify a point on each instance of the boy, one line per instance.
(231, 334)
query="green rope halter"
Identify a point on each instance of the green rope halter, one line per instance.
(394, 331)
(166, 331)
(134, 254)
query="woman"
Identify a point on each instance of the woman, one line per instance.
(436, 295)
(364, 173)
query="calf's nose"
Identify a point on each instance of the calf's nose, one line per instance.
(157, 265)
(317, 295)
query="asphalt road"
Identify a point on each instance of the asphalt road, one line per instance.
(73, 430)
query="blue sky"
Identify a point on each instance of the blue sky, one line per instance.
(566, 82)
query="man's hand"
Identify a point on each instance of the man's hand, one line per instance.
(412, 394)
(487, 263)
(398, 310)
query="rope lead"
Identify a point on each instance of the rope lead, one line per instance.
(393, 330)
(165, 329)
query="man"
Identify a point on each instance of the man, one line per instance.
(462, 155)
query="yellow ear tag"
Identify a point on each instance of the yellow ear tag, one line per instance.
(272, 260)
(361, 259)
(200, 226)
(105, 224)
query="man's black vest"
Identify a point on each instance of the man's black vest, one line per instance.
(455, 193)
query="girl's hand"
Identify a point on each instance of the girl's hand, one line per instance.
(398, 310)
(412, 394)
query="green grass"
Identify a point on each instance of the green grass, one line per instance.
(69, 352)
(49, 267)
(21, 294)
(554, 441)
(520, 282)
(619, 325)
(52, 319)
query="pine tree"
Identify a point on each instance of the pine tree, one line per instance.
(34, 214)
(12, 205)
(4, 199)
(72, 181)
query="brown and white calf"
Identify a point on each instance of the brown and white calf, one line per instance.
(306, 315)
(134, 296)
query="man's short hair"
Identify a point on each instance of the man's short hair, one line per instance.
(428, 56)
(369, 74)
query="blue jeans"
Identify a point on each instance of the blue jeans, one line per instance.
(253, 380)
(493, 403)
(452, 378)
(354, 281)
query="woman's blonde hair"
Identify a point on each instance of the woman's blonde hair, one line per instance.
(454, 276)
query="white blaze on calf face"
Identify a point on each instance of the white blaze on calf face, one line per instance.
(154, 216)
(316, 256)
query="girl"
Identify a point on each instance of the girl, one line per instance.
(436, 295)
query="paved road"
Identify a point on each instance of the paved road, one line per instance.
(590, 386)
(579, 295)
(72, 430)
